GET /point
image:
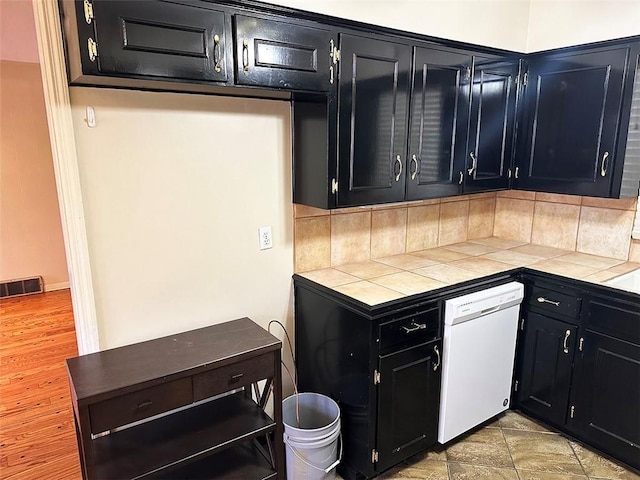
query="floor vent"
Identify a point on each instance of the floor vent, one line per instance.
(21, 286)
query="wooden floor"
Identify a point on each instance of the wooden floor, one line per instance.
(37, 435)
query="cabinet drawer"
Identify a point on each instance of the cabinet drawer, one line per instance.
(233, 376)
(554, 303)
(139, 405)
(420, 327)
(617, 319)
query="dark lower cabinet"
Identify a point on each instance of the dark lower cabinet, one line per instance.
(382, 367)
(547, 349)
(605, 407)
(407, 421)
(273, 53)
(605, 401)
(578, 363)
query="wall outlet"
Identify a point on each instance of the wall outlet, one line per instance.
(264, 234)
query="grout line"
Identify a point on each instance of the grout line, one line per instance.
(577, 458)
(508, 450)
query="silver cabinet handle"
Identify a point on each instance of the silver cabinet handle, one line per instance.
(517, 171)
(437, 364)
(217, 57)
(245, 55)
(399, 161)
(414, 160)
(544, 300)
(461, 177)
(474, 162)
(603, 168)
(565, 347)
(414, 327)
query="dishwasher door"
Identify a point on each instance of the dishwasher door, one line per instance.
(478, 356)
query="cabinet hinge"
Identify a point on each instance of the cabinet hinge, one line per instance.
(88, 11)
(334, 185)
(515, 386)
(573, 411)
(336, 55)
(93, 49)
(581, 344)
(333, 61)
(374, 456)
(525, 78)
(376, 377)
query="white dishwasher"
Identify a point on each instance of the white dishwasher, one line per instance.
(478, 354)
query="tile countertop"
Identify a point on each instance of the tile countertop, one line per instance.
(384, 279)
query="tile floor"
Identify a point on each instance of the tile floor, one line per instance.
(511, 448)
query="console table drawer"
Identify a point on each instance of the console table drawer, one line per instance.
(139, 405)
(233, 376)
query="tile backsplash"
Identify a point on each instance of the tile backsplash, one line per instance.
(328, 238)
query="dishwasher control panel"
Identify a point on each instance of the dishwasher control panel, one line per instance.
(462, 309)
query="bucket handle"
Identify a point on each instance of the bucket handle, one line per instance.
(325, 470)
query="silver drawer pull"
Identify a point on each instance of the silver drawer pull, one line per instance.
(414, 327)
(437, 364)
(565, 347)
(236, 378)
(143, 405)
(544, 300)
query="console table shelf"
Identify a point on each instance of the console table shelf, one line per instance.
(185, 405)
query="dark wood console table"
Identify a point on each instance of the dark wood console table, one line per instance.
(183, 406)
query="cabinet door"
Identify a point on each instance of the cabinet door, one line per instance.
(408, 402)
(439, 120)
(276, 54)
(606, 399)
(572, 107)
(547, 349)
(373, 104)
(159, 39)
(492, 126)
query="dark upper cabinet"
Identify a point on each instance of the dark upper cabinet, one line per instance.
(403, 126)
(407, 419)
(547, 348)
(278, 54)
(153, 40)
(373, 115)
(491, 142)
(439, 122)
(576, 114)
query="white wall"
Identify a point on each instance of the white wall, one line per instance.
(494, 23)
(175, 188)
(560, 23)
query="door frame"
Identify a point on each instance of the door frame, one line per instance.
(67, 174)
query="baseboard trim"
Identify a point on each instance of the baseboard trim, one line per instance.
(56, 286)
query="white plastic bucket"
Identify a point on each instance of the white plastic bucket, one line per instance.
(311, 445)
